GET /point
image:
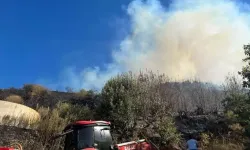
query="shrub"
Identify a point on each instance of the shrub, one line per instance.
(82, 94)
(225, 145)
(15, 99)
(74, 112)
(168, 132)
(236, 128)
(37, 95)
(51, 123)
(205, 139)
(34, 89)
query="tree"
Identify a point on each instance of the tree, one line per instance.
(246, 69)
(243, 104)
(137, 104)
(237, 102)
(117, 105)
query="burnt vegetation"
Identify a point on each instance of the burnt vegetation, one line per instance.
(148, 105)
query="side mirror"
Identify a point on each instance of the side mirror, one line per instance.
(111, 147)
(95, 145)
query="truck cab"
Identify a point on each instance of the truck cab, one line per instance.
(88, 135)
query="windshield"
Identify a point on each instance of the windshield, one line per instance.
(85, 137)
(103, 137)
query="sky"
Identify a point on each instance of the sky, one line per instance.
(39, 38)
(81, 44)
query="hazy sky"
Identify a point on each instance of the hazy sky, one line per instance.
(81, 44)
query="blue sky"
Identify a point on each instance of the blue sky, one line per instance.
(82, 43)
(39, 38)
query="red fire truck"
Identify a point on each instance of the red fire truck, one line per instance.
(94, 135)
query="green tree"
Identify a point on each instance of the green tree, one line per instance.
(117, 105)
(237, 102)
(239, 105)
(136, 104)
(245, 72)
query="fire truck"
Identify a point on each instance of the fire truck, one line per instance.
(93, 135)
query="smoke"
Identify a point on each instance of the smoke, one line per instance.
(187, 39)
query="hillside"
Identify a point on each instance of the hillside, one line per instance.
(188, 107)
(50, 98)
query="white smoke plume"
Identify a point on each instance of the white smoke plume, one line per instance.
(190, 38)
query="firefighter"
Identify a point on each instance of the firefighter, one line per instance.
(192, 143)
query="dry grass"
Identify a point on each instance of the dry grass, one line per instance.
(222, 145)
(14, 99)
(226, 142)
(50, 124)
(9, 110)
